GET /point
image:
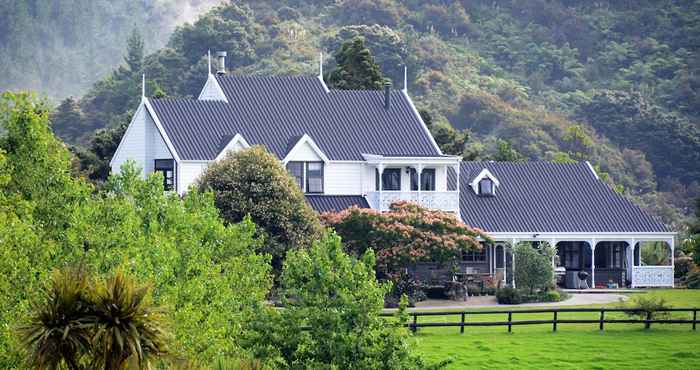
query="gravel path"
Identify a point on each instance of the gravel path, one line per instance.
(490, 301)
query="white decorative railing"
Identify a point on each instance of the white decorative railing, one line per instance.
(652, 276)
(442, 200)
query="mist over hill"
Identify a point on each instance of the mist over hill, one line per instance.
(61, 47)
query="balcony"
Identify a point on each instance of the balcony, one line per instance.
(442, 200)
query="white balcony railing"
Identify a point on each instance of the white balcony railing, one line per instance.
(652, 276)
(442, 200)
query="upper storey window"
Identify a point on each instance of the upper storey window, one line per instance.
(307, 175)
(427, 179)
(391, 179)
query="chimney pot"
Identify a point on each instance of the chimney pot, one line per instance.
(387, 94)
(221, 56)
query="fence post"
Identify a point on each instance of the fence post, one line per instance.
(510, 321)
(647, 324)
(554, 322)
(414, 327)
(602, 318)
(461, 328)
(695, 318)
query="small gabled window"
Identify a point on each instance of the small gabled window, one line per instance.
(486, 187)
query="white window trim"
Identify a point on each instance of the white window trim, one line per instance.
(485, 173)
(306, 139)
(238, 139)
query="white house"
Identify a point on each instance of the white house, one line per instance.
(371, 148)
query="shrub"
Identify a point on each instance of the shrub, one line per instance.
(406, 234)
(550, 296)
(648, 304)
(254, 182)
(693, 280)
(338, 299)
(508, 296)
(533, 266)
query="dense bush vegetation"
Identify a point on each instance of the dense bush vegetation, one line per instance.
(533, 270)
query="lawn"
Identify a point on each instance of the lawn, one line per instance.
(573, 346)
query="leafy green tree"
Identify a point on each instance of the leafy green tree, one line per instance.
(533, 266)
(338, 299)
(40, 164)
(253, 182)
(406, 234)
(207, 272)
(356, 68)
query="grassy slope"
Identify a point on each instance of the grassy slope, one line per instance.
(620, 346)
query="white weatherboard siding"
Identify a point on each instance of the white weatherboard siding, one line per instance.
(187, 174)
(141, 143)
(343, 178)
(306, 153)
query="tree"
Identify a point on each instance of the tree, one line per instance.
(339, 299)
(406, 234)
(356, 68)
(40, 163)
(83, 320)
(254, 182)
(533, 266)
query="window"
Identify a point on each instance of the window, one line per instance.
(296, 169)
(308, 175)
(427, 179)
(474, 256)
(314, 177)
(572, 256)
(167, 168)
(486, 187)
(391, 179)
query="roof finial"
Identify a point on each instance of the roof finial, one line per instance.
(143, 86)
(405, 79)
(320, 64)
(209, 60)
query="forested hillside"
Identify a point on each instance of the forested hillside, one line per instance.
(613, 82)
(61, 47)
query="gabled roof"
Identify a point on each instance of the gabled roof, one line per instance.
(274, 110)
(330, 203)
(549, 197)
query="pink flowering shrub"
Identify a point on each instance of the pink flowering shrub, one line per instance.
(406, 234)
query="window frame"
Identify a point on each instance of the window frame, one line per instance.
(306, 177)
(472, 256)
(431, 178)
(163, 166)
(491, 192)
(303, 180)
(384, 174)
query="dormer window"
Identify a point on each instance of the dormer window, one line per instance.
(486, 187)
(485, 184)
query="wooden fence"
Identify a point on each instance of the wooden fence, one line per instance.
(555, 321)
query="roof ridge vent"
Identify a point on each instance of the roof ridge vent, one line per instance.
(221, 56)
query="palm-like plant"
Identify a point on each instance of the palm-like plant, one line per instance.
(128, 328)
(60, 330)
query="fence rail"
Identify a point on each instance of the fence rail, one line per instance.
(555, 321)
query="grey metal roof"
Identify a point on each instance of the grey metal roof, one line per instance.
(328, 203)
(274, 110)
(549, 197)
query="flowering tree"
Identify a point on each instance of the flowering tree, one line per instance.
(406, 234)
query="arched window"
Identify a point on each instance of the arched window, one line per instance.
(486, 187)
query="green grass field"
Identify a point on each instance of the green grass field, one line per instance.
(573, 346)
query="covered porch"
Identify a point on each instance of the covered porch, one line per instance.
(608, 261)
